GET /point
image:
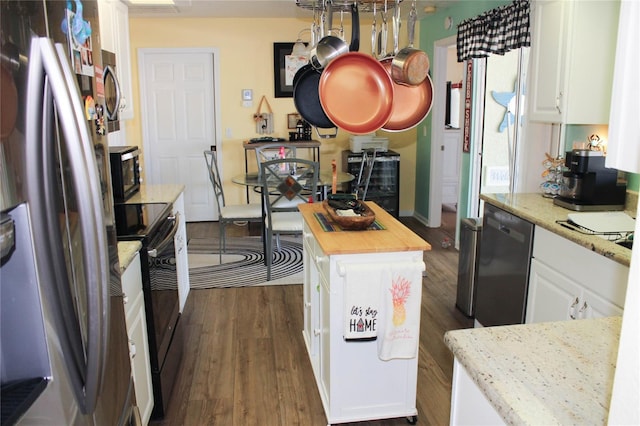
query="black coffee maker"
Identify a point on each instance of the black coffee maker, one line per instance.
(587, 185)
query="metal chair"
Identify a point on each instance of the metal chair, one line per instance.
(286, 182)
(272, 151)
(228, 213)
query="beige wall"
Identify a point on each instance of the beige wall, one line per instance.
(246, 62)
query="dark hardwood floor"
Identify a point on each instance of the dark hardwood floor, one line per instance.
(245, 362)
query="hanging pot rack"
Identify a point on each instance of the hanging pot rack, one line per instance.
(345, 5)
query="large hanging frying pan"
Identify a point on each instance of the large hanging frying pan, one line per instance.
(411, 104)
(307, 100)
(356, 93)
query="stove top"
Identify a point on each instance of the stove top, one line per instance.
(137, 221)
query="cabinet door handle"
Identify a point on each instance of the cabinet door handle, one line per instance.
(558, 102)
(307, 304)
(132, 348)
(582, 310)
(572, 308)
(316, 331)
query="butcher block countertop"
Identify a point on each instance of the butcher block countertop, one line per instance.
(544, 373)
(395, 236)
(542, 212)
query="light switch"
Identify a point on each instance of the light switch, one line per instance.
(247, 94)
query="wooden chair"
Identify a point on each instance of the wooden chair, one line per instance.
(286, 183)
(228, 213)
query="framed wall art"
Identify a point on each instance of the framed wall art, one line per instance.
(284, 68)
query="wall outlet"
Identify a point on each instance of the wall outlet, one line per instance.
(228, 133)
(247, 104)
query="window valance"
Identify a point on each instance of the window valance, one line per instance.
(496, 31)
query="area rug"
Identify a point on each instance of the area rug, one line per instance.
(242, 263)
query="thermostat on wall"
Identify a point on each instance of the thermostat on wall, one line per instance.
(247, 94)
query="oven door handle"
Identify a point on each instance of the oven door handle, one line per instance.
(155, 251)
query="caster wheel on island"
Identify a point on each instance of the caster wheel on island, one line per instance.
(412, 420)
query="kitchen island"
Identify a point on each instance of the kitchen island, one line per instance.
(354, 382)
(546, 373)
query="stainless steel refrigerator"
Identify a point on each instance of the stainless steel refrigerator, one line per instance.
(64, 354)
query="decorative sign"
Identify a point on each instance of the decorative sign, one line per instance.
(467, 108)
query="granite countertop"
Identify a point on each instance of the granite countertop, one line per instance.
(127, 252)
(156, 194)
(395, 236)
(544, 373)
(542, 212)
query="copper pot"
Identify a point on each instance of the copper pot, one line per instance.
(410, 66)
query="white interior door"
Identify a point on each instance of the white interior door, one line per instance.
(451, 157)
(179, 121)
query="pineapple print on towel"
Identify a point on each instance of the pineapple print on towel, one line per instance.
(399, 317)
(400, 291)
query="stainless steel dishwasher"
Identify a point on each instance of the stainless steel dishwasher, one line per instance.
(503, 268)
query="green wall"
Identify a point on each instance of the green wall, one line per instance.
(432, 29)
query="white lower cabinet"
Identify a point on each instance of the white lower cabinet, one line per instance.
(567, 281)
(182, 259)
(469, 405)
(138, 343)
(353, 383)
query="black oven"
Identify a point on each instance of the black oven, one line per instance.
(155, 227)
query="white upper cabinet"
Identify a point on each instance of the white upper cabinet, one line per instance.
(572, 53)
(114, 30)
(623, 150)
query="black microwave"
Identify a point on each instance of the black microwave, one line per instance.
(125, 171)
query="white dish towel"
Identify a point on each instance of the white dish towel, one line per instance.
(400, 302)
(362, 284)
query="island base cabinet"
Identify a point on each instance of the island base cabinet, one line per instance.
(311, 314)
(354, 384)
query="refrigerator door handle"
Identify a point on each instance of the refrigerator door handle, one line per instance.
(44, 217)
(87, 187)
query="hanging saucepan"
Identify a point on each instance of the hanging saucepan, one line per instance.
(356, 93)
(410, 66)
(330, 47)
